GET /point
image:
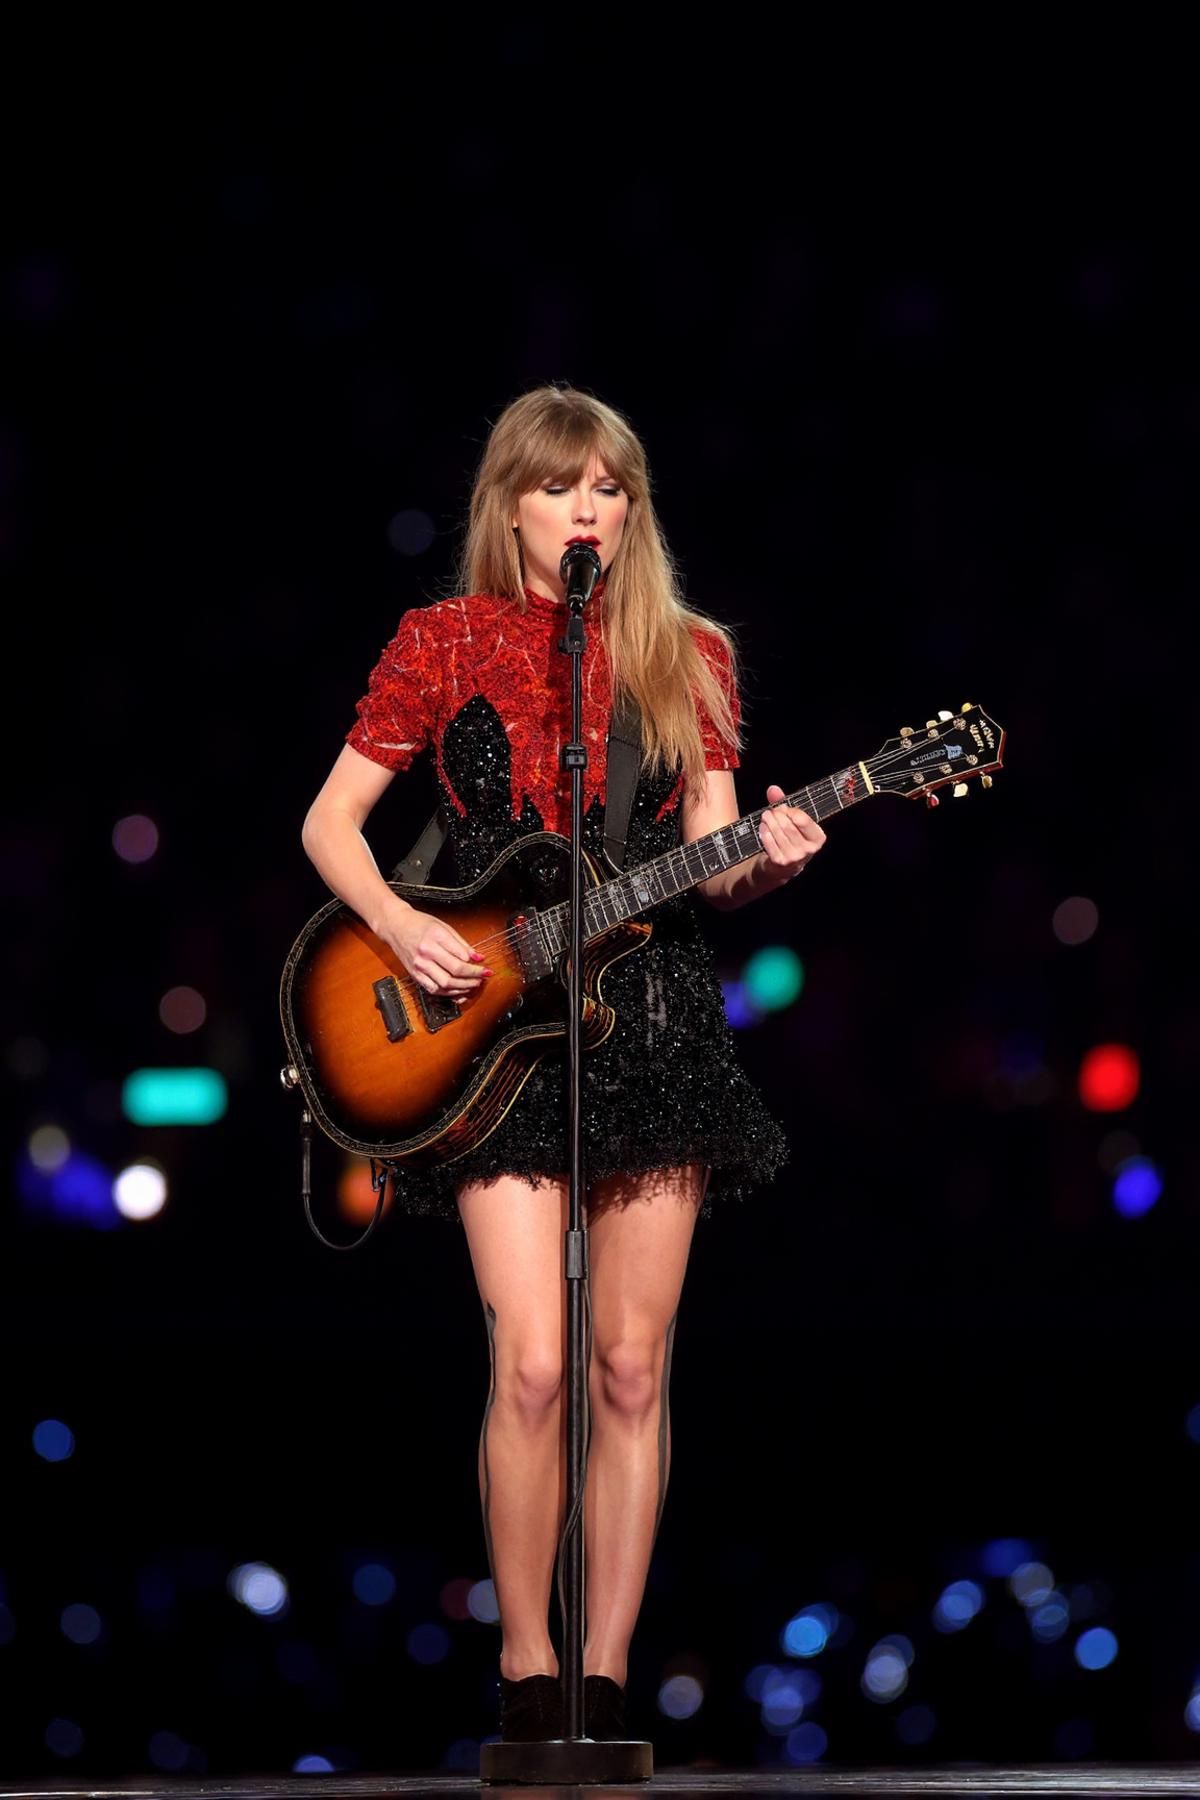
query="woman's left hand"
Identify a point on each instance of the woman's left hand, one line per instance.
(790, 838)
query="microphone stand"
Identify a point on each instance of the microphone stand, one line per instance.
(573, 1758)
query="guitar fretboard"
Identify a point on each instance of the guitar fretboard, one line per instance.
(637, 890)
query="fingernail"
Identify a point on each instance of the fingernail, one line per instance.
(487, 971)
(475, 956)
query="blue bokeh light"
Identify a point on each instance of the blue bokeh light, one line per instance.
(886, 1673)
(807, 1743)
(53, 1440)
(81, 1624)
(1136, 1188)
(482, 1604)
(756, 1680)
(78, 1191)
(63, 1737)
(1096, 1649)
(312, 1765)
(957, 1605)
(1003, 1555)
(1049, 1621)
(260, 1588)
(374, 1584)
(428, 1644)
(680, 1697)
(916, 1725)
(808, 1631)
(782, 1705)
(740, 1009)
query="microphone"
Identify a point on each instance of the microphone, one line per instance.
(580, 571)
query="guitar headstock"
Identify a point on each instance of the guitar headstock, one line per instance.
(951, 748)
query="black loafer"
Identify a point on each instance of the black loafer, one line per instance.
(531, 1710)
(603, 1707)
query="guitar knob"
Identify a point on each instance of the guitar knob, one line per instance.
(986, 780)
(960, 790)
(289, 1076)
(931, 800)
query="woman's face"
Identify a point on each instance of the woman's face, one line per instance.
(554, 515)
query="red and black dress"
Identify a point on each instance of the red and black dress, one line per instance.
(482, 680)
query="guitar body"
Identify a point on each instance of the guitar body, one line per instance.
(393, 1072)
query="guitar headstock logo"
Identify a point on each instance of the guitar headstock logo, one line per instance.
(942, 754)
(980, 732)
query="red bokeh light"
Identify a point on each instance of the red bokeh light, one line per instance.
(1108, 1078)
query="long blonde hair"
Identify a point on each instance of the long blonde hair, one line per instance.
(550, 434)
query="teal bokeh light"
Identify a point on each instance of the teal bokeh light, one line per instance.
(773, 977)
(174, 1097)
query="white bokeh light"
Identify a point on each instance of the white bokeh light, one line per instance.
(140, 1191)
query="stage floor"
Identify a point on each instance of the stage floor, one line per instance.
(971, 1779)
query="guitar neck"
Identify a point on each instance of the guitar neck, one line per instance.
(675, 871)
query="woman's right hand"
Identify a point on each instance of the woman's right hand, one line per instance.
(436, 957)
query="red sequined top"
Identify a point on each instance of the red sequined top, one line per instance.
(445, 655)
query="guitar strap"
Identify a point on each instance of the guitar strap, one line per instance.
(624, 761)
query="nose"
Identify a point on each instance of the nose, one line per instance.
(584, 509)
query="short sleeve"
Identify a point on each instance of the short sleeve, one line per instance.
(397, 716)
(718, 753)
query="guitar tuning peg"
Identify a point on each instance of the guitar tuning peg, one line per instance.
(931, 724)
(967, 706)
(932, 800)
(986, 780)
(943, 716)
(906, 731)
(960, 790)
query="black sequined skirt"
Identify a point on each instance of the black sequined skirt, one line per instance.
(664, 1089)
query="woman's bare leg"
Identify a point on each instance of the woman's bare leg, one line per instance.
(515, 1234)
(639, 1234)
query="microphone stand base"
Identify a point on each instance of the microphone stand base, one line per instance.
(568, 1761)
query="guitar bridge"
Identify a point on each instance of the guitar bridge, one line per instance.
(532, 950)
(436, 1009)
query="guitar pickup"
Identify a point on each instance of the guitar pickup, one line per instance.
(390, 1002)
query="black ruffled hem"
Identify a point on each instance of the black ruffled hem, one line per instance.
(431, 1192)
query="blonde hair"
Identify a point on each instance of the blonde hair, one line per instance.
(550, 434)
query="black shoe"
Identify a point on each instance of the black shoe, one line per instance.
(603, 1707)
(531, 1710)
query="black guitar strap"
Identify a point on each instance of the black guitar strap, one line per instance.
(416, 865)
(624, 761)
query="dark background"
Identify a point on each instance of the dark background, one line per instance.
(914, 361)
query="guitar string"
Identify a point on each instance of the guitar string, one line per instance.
(678, 855)
(508, 938)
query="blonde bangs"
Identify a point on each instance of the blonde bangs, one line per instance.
(650, 633)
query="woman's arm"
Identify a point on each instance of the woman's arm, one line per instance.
(332, 835)
(790, 839)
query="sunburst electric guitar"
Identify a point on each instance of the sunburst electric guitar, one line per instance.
(393, 1072)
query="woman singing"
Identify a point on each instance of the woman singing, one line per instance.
(665, 1103)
